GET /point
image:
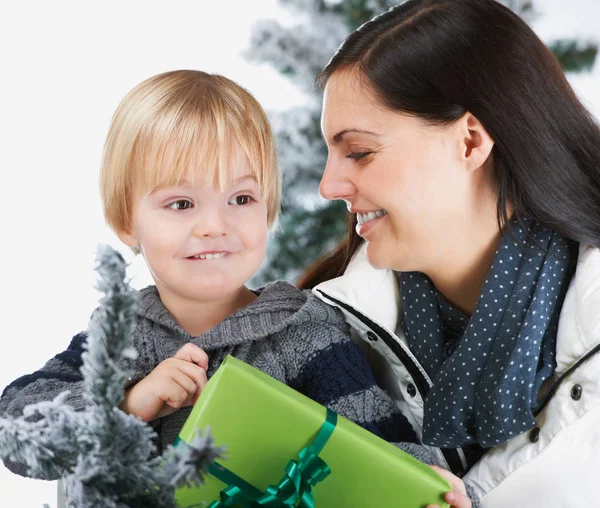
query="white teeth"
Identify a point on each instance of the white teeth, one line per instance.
(210, 256)
(366, 217)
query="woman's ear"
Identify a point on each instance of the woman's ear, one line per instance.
(476, 143)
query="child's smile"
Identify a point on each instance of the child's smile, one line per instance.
(208, 255)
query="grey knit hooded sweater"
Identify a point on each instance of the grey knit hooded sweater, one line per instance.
(286, 332)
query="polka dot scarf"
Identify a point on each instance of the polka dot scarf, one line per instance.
(487, 369)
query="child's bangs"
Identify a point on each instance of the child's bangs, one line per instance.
(196, 148)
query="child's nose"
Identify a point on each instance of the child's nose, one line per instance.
(212, 223)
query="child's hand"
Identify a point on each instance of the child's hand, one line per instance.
(457, 497)
(175, 383)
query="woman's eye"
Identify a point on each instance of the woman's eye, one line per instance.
(180, 204)
(357, 155)
(242, 199)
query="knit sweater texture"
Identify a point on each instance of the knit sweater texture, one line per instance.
(287, 333)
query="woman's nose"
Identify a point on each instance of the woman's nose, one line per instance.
(335, 183)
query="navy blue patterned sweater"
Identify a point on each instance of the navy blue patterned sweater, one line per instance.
(287, 333)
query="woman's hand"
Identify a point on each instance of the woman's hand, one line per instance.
(175, 383)
(457, 497)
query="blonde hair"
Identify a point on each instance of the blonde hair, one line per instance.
(183, 125)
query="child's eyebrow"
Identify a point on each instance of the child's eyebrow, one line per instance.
(187, 183)
(243, 178)
(181, 183)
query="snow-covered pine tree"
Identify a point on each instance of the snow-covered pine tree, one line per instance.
(309, 226)
(105, 456)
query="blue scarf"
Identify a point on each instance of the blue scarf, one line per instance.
(488, 368)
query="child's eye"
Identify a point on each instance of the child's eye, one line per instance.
(181, 204)
(242, 199)
(357, 155)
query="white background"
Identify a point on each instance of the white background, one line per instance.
(65, 67)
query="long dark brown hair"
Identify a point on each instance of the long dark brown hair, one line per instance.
(438, 59)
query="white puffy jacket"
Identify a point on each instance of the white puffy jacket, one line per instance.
(554, 465)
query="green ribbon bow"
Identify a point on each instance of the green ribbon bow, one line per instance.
(294, 489)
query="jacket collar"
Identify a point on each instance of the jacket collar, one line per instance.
(579, 324)
(375, 293)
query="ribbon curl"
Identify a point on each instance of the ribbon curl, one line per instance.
(294, 489)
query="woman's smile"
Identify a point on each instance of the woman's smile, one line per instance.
(366, 222)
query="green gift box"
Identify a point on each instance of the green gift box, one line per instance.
(264, 424)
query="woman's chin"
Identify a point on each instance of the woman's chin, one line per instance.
(381, 260)
(374, 257)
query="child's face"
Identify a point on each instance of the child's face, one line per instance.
(202, 244)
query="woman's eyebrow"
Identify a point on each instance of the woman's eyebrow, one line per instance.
(337, 139)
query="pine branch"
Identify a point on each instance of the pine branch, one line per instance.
(575, 56)
(44, 438)
(298, 52)
(110, 344)
(184, 465)
(107, 457)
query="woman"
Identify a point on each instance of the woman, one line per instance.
(472, 177)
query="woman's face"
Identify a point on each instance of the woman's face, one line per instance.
(411, 184)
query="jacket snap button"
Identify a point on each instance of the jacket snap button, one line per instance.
(576, 392)
(534, 435)
(412, 391)
(371, 336)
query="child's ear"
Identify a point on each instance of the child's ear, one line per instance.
(128, 238)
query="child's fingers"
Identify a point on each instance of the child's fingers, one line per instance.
(201, 383)
(180, 388)
(174, 396)
(192, 353)
(195, 373)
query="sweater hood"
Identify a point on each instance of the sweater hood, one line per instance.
(278, 306)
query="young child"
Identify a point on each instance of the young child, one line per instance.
(190, 181)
